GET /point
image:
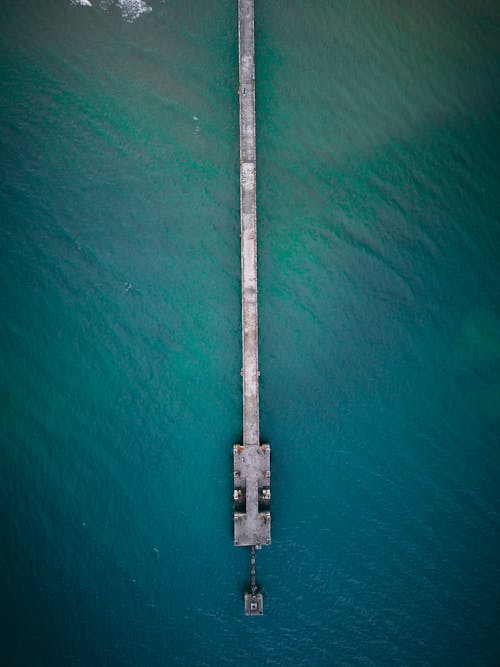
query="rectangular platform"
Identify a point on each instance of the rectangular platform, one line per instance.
(252, 495)
(254, 604)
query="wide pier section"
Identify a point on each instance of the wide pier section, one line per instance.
(252, 462)
(252, 495)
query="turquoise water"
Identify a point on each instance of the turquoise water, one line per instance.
(378, 128)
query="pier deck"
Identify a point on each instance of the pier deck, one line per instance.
(252, 518)
(248, 215)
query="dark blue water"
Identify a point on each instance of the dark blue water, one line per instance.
(379, 210)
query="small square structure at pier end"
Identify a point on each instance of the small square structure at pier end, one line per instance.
(254, 604)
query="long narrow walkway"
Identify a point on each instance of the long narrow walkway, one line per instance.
(248, 212)
(252, 518)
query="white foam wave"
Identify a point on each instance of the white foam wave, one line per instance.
(130, 9)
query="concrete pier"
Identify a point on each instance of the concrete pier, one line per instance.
(252, 469)
(248, 215)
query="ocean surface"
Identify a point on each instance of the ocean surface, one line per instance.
(120, 388)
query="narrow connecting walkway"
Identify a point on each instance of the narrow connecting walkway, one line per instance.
(248, 213)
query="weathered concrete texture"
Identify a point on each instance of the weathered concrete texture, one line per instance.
(252, 476)
(252, 519)
(248, 212)
(254, 604)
